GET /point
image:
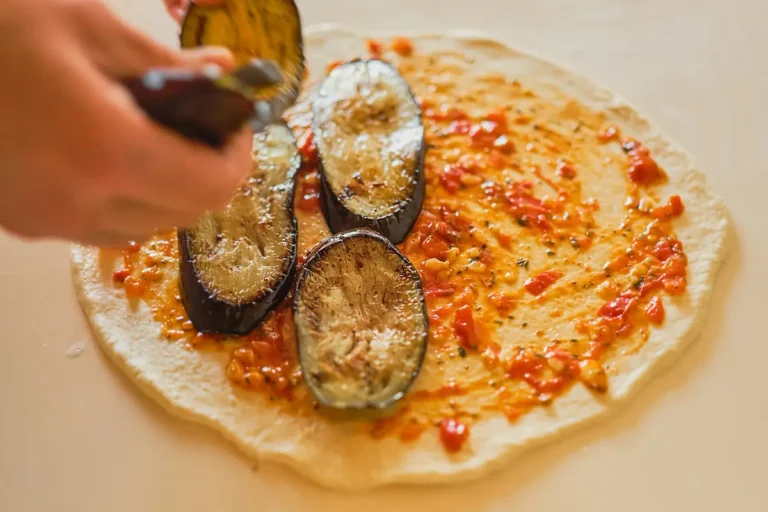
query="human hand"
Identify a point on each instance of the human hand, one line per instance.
(78, 159)
(177, 8)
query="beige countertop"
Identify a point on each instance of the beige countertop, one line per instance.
(76, 436)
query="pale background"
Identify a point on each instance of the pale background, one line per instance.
(76, 436)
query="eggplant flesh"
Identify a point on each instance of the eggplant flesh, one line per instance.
(370, 140)
(237, 264)
(361, 321)
(264, 29)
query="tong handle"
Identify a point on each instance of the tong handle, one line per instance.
(202, 106)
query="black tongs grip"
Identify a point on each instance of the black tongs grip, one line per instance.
(206, 106)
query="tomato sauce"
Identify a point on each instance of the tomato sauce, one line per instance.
(520, 307)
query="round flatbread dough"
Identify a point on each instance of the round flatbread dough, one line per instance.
(336, 452)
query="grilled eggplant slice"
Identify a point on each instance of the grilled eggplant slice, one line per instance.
(370, 140)
(238, 264)
(361, 321)
(265, 29)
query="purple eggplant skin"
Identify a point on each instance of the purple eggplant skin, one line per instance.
(212, 314)
(394, 226)
(319, 252)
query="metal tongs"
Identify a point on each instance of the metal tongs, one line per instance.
(209, 106)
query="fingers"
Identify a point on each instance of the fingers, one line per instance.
(177, 8)
(155, 207)
(163, 168)
(196, 58)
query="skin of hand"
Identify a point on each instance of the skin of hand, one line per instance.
(79, 160)
(177, 8)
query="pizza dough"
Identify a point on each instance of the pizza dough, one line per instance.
(336, 452)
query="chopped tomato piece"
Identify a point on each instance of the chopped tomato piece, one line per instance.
(655, 310)
(486, 257)
(453, 434)
(528, 209)
(132, 247)
(674, 208)
(435, 247)
(674, 266)
(663, 250)
(375, 48)
(464, 327)
(489, 135)
(459, 127)
(565, 170)
(497, 160)
(608, 134)
(333, 65)
(676, 202)
(121, 275)
(650, 285)
(402, 46)
(308, 149)
(643, 169)
(675, 285)
(450, 179)
(134, 287)
(502, 301)
(498, 117)
(536, 285)
(504, 240)
(467, 297)
(439, 314)
(619, 306)
(439, 290)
